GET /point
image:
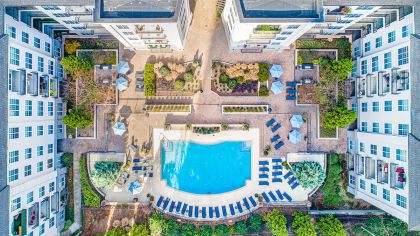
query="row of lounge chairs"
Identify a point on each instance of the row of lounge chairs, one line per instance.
(263, 170)
(291, 90)
(276, 137)
(291, 180)
(280, 196)
(277, 170)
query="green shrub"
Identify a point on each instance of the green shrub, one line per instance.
(164, 71)
(221, 230)
(231, 83)
(179, 84)
(276, 222)
(383, 227)
(188, 229)
(149, 81)
(263, 72)
(302, 225)
(245, 126)
(157, 224)
(338, 116)
(116, 232)
(223, 78)
(263, 92)
(89, 196)
(172, 228)
(240, 79)
(78, 118)
(255, 223)
(188, 77)
(240, 227)
(330, 226)
(70, 46)
(309, 173)
(75, 66)
(139, 230)
(105, 174)
(267, 150)
(67, 159)
(205, 230)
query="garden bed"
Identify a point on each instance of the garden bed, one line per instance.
(311, 56)
(184, 109)
(206, 130)
(99, 56)
(90, 197)
(245, 109)
(343, 45)
(327, 133)
(67, 160)
(306, 94)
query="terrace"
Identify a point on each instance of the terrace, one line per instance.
(370, 168)
(382, 171)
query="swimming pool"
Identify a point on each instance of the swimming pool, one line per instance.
(206, 168)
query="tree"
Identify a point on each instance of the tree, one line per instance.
(231, 83)
(179, 84)
(139, 230)
(116, 232)
(241, 227)
(105, 174)
(309, 173)
(78, 118)
(188, 77)
(223, 78)
(331, 187)
(383, 227)
(205, 230)
(341, 68)
(75, 66)
(157, 224)
(149, 80)
(263, 72)
(339, 116)
(221, 230)
(171, 228)
(188, 230)
(276, 222)
(302, 225)
(70, 47)
(255, 223)
(330, 226)
(164, 71)
(263, 91)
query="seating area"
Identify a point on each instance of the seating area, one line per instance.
(274, 129)
(291, 90)
(144, 167)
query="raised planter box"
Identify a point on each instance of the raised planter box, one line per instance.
(169, 109)
(245, 109)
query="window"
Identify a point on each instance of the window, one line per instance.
(42, 229)
(122, 26)
(37, 42)
(388, 128)
(51, 67)
(364, 67)
(364, 8)
(70, 22)
(391, 37)
(128, 33)
(11, 31)
(28, 108)
(51, 222)
(40, 64)
(353, 15)
(352, 180)
(401, 155)
(59, 109)
(361, 147)
(29, 197)
(401, 201)
(13, 133)
(375, 106)
(386, 152)
(40, 166)
(362, 184)
(60, 129)
(51, 186)
(375, 64)
(14, 56)
(404, 31)
(50, 108)
(25, 37)
(15, 204)
(367, 46)
(351, 146)
(364, 107)
(40, 130)
(385, 194)
(28, 153)
(42, 191)
(403, 105)
(375, 127)
(403, 56)
(40, 108)
(388, 106)
(50, 148)
(28, 60)
(13, 175)
(373, 149)
(356, 51)
(47, 47)
(373, 189)
(13, 107)
(13, 156)
(40, 150)
(354, 107)
(28, 131)
(62, 181)
(281, 38)
(287, 32)
(28, 170)
(364, 127)
(50, 129)
(387, 60)
(378, 42)
(344, 21)
(354, 70)
(49, 163)
(402, 129)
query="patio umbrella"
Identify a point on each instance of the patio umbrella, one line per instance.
(121, 83)
(277, 87)
(119, 128)
(276, 71)
(135, 187)
(295, 137)
(123, 67)
(296, 121)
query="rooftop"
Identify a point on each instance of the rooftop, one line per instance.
(137, 8)
(279, 8)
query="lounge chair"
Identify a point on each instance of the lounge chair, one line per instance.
(266, 198)
(263, 163)
(288, 175)
(279, 145)
(246, 203)
(279, 194)
(277, 180)
(139, 74)
(264, 183)
(136, 160)
(178, 207)
(252, 200)
(203, 212)
(232, 209)
(276, 160)
(278, 167)
(150, 175)
(171, 207)
(272, 196)
(238, 204)
(165, 203)
(196, 211)
(190, 211)
(270, 122)
(291, 83)
(136, 168)
(287, 196)
(184, 208)
(262, 169)
(275, 138)
(159, 202)
(291, 91)
(211, 212)
(224, 212)
(291, 180)
(274, 173)
(294, 185)
(263, 176)
(216, 211)
(290, 97)
(276, 127)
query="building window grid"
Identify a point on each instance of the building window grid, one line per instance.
(50, 148)
(40, 130)
(375, 127)
(28, 60)
(367, 46)
(37, 42)
(364, 67)
(403, 105)
(40, 166)
(403, 129)
(28, 131)
(403, 56)
(40, 111)
(387, 60)
(388, 106)
(50, 129)
(28, 170)
(40, 150)
(388, 128)
(404, 31)
(386, 152)
(50, 108)
(30, 197)
(13, 175)
(28, 153)
(25, 37)
(401, 201)
(375, 106)
(14, 56)
(16, 204)
(47, 46)
(364, 127)
(11, 31)
(373, 189)
(401, 155)
(391, 37)
(386, 194)
(40, 64)
(364, 107)
(375, 64)
(28, 108)
(13, 107)
(14, 133)
(362, 184)
(13, 156)
(373, 149)
(378, 42)
(361, 147)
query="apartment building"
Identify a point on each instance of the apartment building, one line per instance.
(35, 177)
(378, 146)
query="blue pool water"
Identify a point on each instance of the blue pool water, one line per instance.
(206, 168)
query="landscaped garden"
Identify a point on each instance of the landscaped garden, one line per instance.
(104, 174)
(240, 79)
(67, 161)
(310, 174)
(168, 108)
(90, 197)
(238, 109)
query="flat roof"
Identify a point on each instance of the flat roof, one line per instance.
(137, 8)
(279, 8)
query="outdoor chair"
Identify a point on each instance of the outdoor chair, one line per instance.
(276, 127)
(275, 138)
(263, 183)
(279, 194)
(270, 122)
(279, 145)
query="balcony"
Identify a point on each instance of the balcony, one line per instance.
(360, 165)
(55, 202)
(78, 11)
(33, 84)
(350, 88)
(54, 87)
(350, 161)
(144, 29)
(258, 41)
(383, 83)
(44, 86)
(383, 172)
(45, 208)
(371, 86)
(33, 215)
(19, 223)
(18, 80)
(262, 36)
(361, 87)
(370, 168)
(398, 177)
(156, 41)
(153, 36)
(400, 81)
(267, 29)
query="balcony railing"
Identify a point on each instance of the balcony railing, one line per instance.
(361, 87)
(142, 29)
(54, 87)
(33, 215)
(18, 79)
(383, 172)
(350, 161)
(360, 164)
(398, 176)
(400, 81)
(384, 82)
(44, 86)
(371, 85)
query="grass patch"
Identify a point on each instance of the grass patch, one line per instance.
(327, 132)
(342, 44)
(99, 57)
(89, 196)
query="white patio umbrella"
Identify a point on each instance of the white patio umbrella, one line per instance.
(277, 87)
(296, 121)
(123, 67)
(135, 187)
(119, 128)
(276, 71)
(295, 137)
(121, 84)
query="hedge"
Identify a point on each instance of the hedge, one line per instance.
(264, 72)
(149, 80)
(89, 196)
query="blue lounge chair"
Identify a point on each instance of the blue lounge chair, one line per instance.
(224, 212)
(272, 196)
(291, 180)
(178, 207)
(264, 183)
(211, 212)
(287, 196)
(190, 211)
(294, 185)
(238, 204)
(291, 91)
(262, 169)
(265, 197)
(253, 202)
(203, 212)
(165, 203)
(275, 138)
(276, 127)
(150, 175)
(159, 202)
(171, 207)
(277, 160)
(279, 194)
(291, 83)
(263, 163)
(184, 208)
(196, 211)
(290, 97)
(263, 176)
(278, 167)
(277, 180)
(136, 160)
(276, 173)
(216, 211)
(246, 203)
(137, 168)
(288, 174)
(270, 122)
(232, 209)
(279, 145)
